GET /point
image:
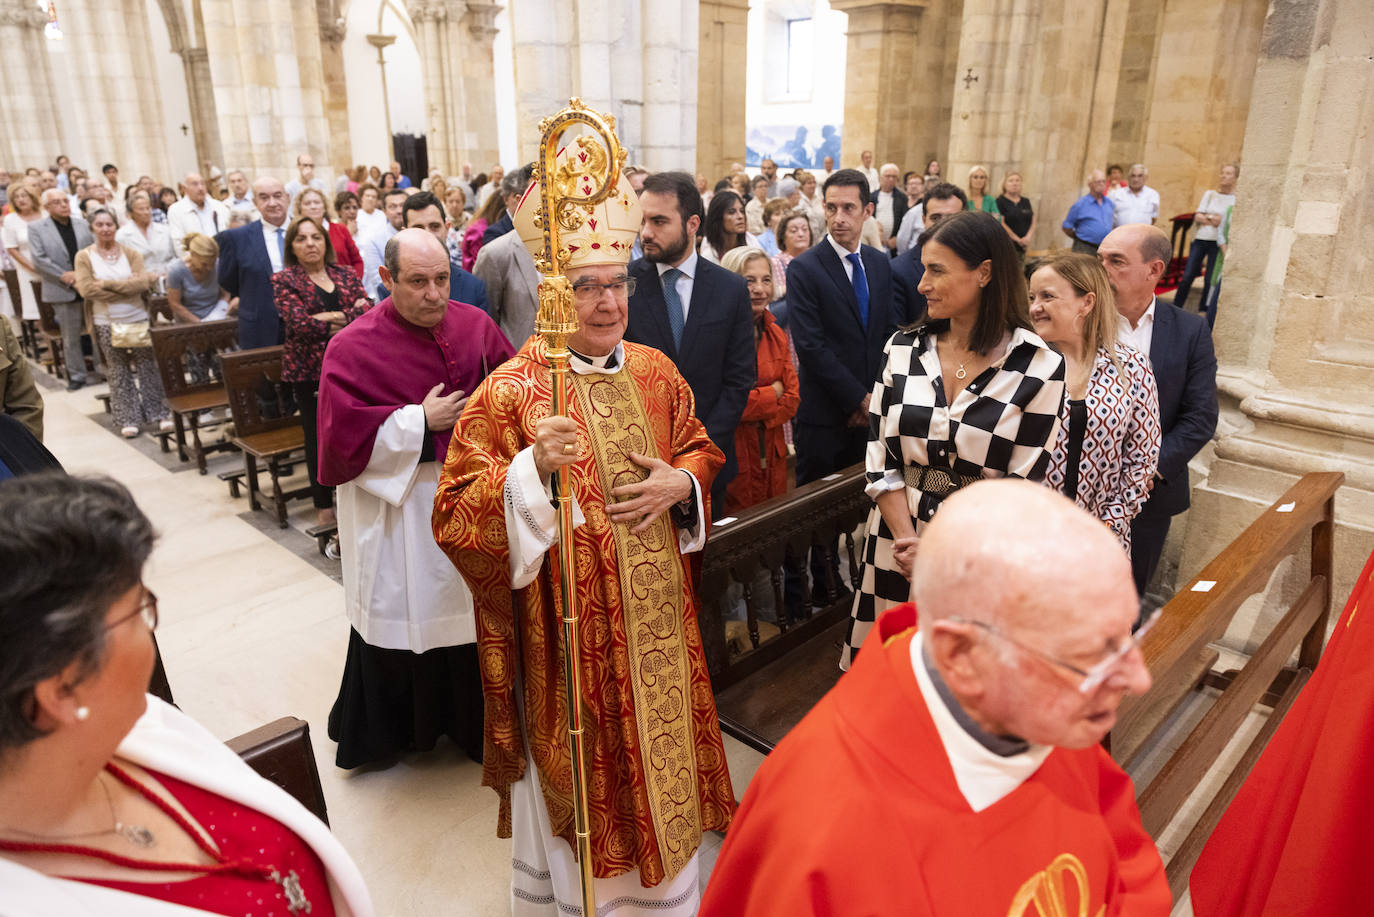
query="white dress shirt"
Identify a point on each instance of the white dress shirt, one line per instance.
(368, 223)
(1142, 334)
(373, 249)
(844, 254)
(883, 211)
(686, 279)
(1130, 207)
(184, 217)
(155, 247)
(269, 235)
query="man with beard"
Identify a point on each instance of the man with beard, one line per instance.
(695, 312)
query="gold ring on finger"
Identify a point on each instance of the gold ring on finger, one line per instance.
(569, 448)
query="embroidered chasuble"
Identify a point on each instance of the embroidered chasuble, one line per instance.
(656, 764)
(871, 807)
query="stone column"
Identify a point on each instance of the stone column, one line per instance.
(455, 40)
(332, 32)
(1200, 93)
(30, 119)
(476, 106)
(1034, 93)
(1295, 331)
(200, 93)
(633, 60)
(887, 109)
(267, 70)
(115, 104)
(723, 30)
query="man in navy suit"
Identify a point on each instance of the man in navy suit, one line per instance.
(840, 308)
(1179, 345)
(695, 312)
(941, 199)
(423, 210)
(248, 257)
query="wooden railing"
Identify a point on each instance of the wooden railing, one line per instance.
(1180, 660)
(757, 541)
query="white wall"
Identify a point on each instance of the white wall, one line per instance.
(176, 105)
(404, 79)
(770, 112)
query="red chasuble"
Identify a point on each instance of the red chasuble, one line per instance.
(857, 813)
(1298, 836)
(382, 362)
(657, 768)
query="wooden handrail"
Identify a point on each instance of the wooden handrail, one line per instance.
(1195, 618)
(757, 540)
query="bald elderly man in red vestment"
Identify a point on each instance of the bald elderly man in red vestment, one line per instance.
(956, 769)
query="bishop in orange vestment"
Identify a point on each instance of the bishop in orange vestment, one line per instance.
(904, 791)
(656, 763)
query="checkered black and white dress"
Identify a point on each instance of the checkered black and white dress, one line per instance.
(1004, 423)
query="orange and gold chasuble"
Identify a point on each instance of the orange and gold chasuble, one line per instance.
(656, 763)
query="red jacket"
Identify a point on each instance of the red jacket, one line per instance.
(346, 251)
(760, 447)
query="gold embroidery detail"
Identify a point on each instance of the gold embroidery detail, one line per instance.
(653, 595)
(1045, 894)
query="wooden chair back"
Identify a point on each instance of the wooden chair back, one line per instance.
(172, 343)
(47, 321)
(258, 398)
(1178, 652)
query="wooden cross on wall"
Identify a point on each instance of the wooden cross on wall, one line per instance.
(184, 130)
(969, 78)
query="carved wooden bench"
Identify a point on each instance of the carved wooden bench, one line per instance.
(184, 356)
(266, 426)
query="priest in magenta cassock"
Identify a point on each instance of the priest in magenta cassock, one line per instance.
(393, 385)
(640, 468)
(956, 770)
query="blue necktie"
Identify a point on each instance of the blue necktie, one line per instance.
(670, 296)
(860, 286)
(281, 245)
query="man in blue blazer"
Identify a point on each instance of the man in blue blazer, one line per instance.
(839, 296)
(841, 314)
(425, 211)
(1179, 345)
(694, 311)
(941, 199)
(248, 257)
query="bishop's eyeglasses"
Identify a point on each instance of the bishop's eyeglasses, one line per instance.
(1087, 679)
(589, 291)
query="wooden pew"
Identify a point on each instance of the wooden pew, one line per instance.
(53, 357)
(186, 396)
(280, 751)
(263, 427)
(1178, 654)
(764, 692)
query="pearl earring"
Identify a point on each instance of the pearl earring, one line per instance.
(83, 714)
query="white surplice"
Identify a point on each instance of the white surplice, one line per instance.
(169, 742)
(545, 878)
(401, 591)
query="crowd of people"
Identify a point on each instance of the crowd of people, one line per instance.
(857, 316)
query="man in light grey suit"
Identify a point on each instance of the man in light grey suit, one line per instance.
(54, 242)
(507, 268)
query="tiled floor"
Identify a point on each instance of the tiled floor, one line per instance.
(253, 629)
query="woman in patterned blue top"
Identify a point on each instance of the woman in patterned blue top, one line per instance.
(970, 393)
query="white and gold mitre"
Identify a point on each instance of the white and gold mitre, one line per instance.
(606, 235)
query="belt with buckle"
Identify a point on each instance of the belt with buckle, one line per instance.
(939, 482)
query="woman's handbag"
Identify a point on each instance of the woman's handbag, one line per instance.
(130, 335)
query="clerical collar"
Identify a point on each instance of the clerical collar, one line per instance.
(1002, 746)
(983, 775)
(606, 365)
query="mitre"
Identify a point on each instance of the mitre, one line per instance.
(607, 234)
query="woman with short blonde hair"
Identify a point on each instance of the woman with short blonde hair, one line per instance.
(978, 196)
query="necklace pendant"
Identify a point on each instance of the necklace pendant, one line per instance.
(137, 835)
(961, 373)
(296, 902)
